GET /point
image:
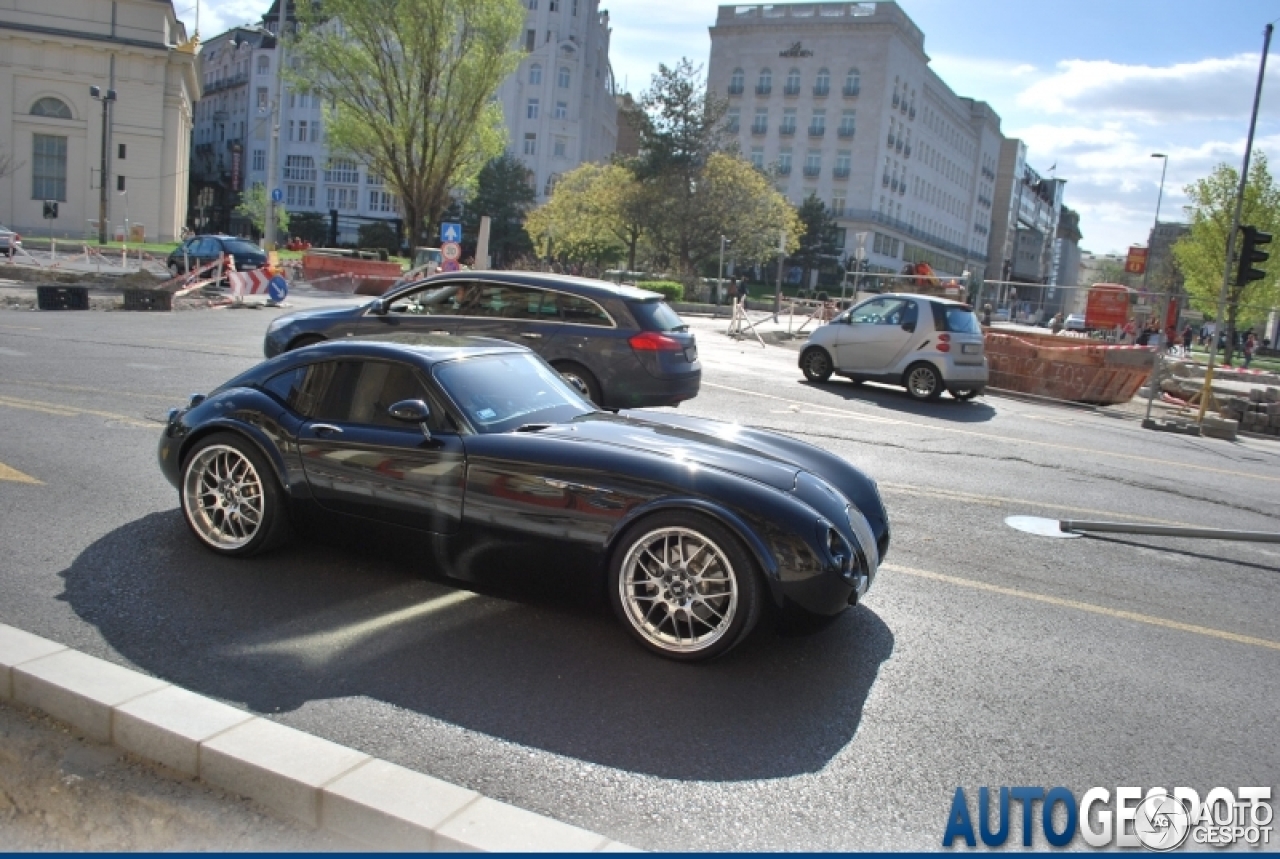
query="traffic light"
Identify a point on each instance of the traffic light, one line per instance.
(50, 209)
(1250, 238)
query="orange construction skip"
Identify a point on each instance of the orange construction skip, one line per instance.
(1049, 365)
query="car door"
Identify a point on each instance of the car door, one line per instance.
(359, 461)
(877, 332)
(524, 315)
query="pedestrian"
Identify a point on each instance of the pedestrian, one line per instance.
(1056, 325)
(1250, 344)
(1187, 336)
(1171, 339)
(1130, 330)
(986, 315)
(742, 292)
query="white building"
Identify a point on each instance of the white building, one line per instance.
(559, 105)
(51, 53)
(839, 100)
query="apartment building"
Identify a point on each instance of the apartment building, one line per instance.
(837, 100)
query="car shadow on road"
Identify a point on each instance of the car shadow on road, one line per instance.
(543, 665)
(947, 408)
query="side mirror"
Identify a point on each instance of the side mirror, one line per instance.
(379, 307)
(412, 412)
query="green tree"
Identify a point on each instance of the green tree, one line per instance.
(408, 89)
(505, 194)
(593, 215)
(817, 241)
(253, 206)
(1202, 253)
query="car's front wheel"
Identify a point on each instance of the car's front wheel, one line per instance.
(816, 365)
(684, 586)
(230, 496)
(922, 381)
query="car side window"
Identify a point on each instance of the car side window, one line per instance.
(207, 248)
(360, 392)
(582, 311)
(287, 386)
(429, 300)
(910, 313)
(524, 302)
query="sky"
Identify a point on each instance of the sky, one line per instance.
(1094, 87)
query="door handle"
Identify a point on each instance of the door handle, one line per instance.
(529, 335)
(326, 428)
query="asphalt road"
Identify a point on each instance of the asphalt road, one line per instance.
(982, 655)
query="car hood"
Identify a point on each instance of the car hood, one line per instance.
(722, 446)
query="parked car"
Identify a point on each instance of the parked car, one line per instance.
(923, 343)
(10, 241)
(199, 250)
(626, 346)
(482, 450)
(1074, 322)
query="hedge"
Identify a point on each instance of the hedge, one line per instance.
(670, 289)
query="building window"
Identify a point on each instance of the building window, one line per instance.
(530, 40)
(381, 201)
(735, 82)
(757, 157)
(531, 144)
(48, 167)
(844, 160)
(264, 100)
(822, 83)
(264, 64)
(793, 83)
(818, 126)
(812, 163)
(343, 199)
(848, 123)
(574, 7)
(562, 77)
(784, 162)
(374, 179)
(342, 171)
(300, 196)
(54, 108)
(531, 112)
(788, 126)
(562, 110)
(535, 74)
(561, 147)
(733, 119)
(533, 5)
(120, 150)
(761, 123)
(837, 207)
(120, 186)
(553, 5)
(300, 168)
(259, 160)
(765, 83)
(852, 82)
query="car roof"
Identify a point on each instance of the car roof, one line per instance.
(550, 280)
(935, 298)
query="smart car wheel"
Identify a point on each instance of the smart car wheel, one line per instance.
(815, 363)
(966, 393)
(230, 497)
(684, 586)
(922, 382)
(580, 377)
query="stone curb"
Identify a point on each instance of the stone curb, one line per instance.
(322, 784)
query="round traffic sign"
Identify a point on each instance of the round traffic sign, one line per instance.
(277, 289)
(451, 250)
(276, 195)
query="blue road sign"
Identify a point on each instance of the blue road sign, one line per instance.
(451, 232)
(276, 195)
(277, 289)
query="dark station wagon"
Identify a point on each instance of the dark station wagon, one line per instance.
(625, 347)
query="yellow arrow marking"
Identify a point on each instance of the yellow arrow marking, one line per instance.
(1089, 607)
(7, 473)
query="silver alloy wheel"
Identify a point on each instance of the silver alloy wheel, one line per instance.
(678, 590)
(222, 496)
(922, 381)
(817, 364)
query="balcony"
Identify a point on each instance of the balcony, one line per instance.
(851, 91)
(898, 146)
(787, 130)
(837, 211)
(784, 169)
(791, 90)
(763, 89)
(893, 186)
(891, 138)
(846, 132)
(733, 128)
(735, 89)
(903, 109)
(811, 170)
(911, 114)
(840, 173)
(821, 90)
(902, 188)
(817, 130)
(906, 152)
(885, 183)
(758, 128)
(896, 100)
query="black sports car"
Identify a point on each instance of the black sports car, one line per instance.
(481, 448)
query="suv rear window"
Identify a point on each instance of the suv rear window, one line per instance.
(656, 315)
(955, 317)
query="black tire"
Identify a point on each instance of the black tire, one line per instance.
(572, 371)
(230, 497)
(816, 364)
(922, 381)
(966, 394)
(304, 340)
(658, 599)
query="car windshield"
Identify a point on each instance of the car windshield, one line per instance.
(240, 246)
(657, 315)
(500, 393)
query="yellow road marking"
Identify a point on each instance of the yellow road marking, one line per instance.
(176, 398)
(7, 473)
(1173, 465)
(1089, 607)
(999, 501)
(71, 411)
(19, 328)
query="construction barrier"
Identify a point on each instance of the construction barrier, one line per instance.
(365, 276)
(1053, 366)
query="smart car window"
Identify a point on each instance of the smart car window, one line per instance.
(963, 321)
(879, 311)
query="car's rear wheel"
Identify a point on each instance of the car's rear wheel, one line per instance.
(304, 340)
(580, 378)
(922, 381)
(966, 393)
(816, 364)
(684, 586)
(230, 497)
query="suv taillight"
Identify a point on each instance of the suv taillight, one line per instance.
(652, 341)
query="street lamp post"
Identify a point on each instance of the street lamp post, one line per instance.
(104, 173)
(724, 240)
(1146, 278)
(125, 194)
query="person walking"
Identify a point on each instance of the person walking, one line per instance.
(1250, 344)
(1187, 336)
